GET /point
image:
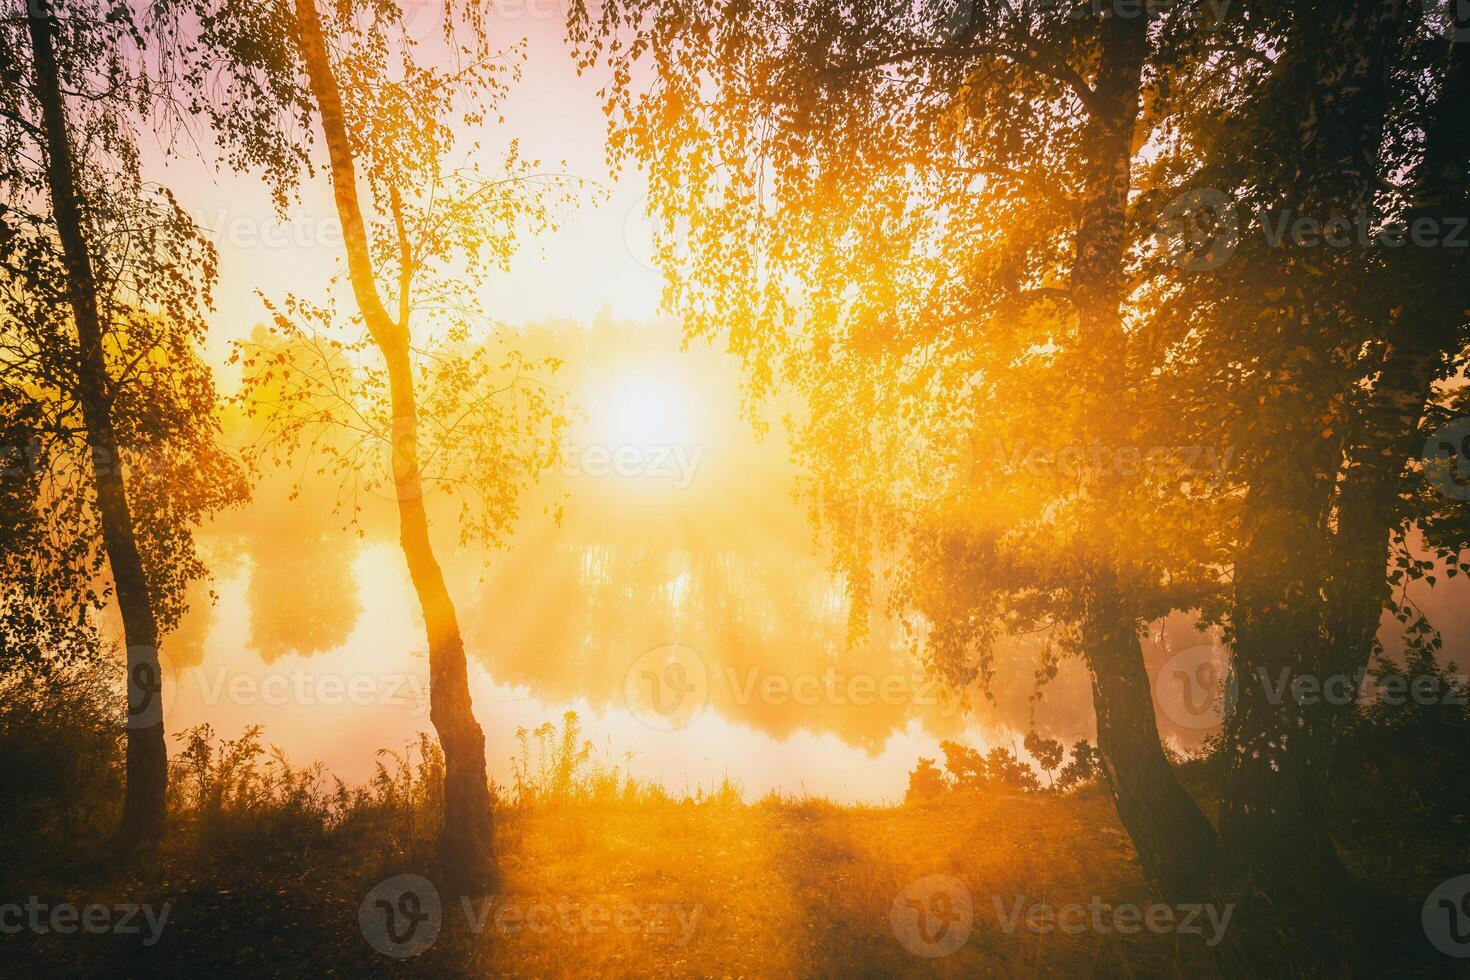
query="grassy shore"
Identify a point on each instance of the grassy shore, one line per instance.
(658, 887)
(274, 869)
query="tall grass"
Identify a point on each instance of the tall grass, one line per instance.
(61, 749)
(62, 745)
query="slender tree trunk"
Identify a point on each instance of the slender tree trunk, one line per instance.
(1358, 587)
(1173, 838)
(1273, 838)
(466, 841)
(144, 801)
(1433, 286)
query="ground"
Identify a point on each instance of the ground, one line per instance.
(778, 888)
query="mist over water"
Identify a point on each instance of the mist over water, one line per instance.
(667, 524)
(663, 582)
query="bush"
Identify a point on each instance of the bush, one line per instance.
(557, 767)
(61, 739)
(926, 782)
(239, 793)
(966, 769)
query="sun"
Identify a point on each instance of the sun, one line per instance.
(644, 413)
(646, 407)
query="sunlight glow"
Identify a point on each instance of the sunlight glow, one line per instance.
(647, 408)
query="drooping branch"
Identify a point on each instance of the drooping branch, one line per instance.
(1030, 57)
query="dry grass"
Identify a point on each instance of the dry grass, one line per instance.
(268, 865)
(776, 888)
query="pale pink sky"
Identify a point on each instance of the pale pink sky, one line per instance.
(597, 258)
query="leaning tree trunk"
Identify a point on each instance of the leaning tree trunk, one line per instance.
(144, 802)
(466, 842)
(1273, 836)
(1436, 286)
(1173, 838)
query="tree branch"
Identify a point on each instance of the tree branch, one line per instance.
(1030, 57)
